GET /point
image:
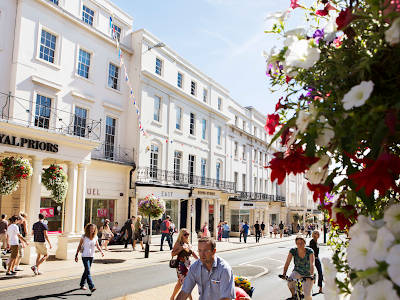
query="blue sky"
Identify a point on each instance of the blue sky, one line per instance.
(223, 38)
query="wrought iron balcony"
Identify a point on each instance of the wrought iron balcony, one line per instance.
(42, 114)
(248, 196)
(152, 175)
(113, 153)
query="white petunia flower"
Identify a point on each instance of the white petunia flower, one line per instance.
(278, 16)
(393, 259)
(302, 120)
(359, 254)
(381, 290)
(358, 292)
(318, 172)
(299, 32)
(392, 219)
(330, 271)
(392, 35)
(363, 225)
(384, 240)
(302, 54)
(330, 29)
(358, 95)
(290, 40)
(326, 136)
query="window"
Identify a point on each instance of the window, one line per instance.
(260, 186)
(177, 164)
(54, 1)
(203, 129)
(191, 165)
(113, 75)
(47, 46)
(265, 158)
(255, 131)
(154, 161)
(193, 88)
(110, 137)
(180, 80)
(157, 107)
(87, 15)
(236, 121)
(261, 158)
(219, 103)
(243, 182)
(203, 170)
(178, 124)
(42, 111)
(265, 186)
(218, 172)
(244, 125)
(255, 185)
(116, 34)
(235, 178)
(244, 152)
(192, 123)
(80, 121)
(235, 151)
(219, 135)
(255, 156)
(84, 63)
(159, 65)
(205, 95)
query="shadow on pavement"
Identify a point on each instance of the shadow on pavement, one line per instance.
(108, 261)
(15, 277)
(62, 295)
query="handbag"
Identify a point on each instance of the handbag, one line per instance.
(174, 263)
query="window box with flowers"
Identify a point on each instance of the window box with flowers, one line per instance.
(54, 179)
(13, 170)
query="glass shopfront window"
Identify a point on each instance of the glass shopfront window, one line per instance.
(53, 213)
(171, 209)
(237, 215)
(97, 210)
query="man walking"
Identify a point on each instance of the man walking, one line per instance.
(241, 231)
(281, 227)
(128, 229)
(262, 229)
(39, 232)
(3, 231)
(165, 233)
(14, 237)
(258, 231)
(212, 274)
(245, 229)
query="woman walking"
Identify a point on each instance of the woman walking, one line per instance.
(314, 246)
(220, 229)
(183, 249)
(138, 233)
(204, 230)
(106, 234)
(86, 245)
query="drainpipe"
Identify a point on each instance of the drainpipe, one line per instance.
(130, 188)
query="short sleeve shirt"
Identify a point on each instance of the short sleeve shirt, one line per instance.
(38, 232)
(213, 285)
(302, 265)
(245, 228)
(13, 232)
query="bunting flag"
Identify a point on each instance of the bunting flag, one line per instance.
(123, 66)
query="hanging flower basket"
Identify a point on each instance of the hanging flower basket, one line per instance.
(151, 206)
(55, 180)
(14, 169)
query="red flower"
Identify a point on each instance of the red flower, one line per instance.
(278, 105)
(322, 12)
(277, 167)
(54, 177)
(319, 191)
(22, 167)
(272, 123)
(285, 136)
(345, 18)
(288, 78)
(380, 174)
(294, 4)
(24, 176)
(60, 168)
(342, 216)
(391, 120)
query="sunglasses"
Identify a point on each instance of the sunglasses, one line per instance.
(186, 234)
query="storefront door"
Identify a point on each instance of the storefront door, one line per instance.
(53, 214)
(97, 210)
(211, 218)
(184, 212)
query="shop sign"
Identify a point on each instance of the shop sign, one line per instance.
(92, 192)
(211, 208)
(47, 212)
(102, 212)
(247, 205)
(27, 143)
(206, 194)
(164, 194)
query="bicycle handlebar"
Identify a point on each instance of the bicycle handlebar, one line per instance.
(302, 277)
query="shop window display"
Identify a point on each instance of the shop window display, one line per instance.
(237, 216)
(53, 213)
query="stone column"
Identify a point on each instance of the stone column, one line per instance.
(81, 198)
(70, 201)
(203, 212)
(33, 207)
(216, 217)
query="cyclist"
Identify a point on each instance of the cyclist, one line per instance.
(303, 266)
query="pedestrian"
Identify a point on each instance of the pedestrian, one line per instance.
(39, 232)
(257, 229)
(172, 230)
(302, 229)
(14, 239)
(241, 231)
(138, 233)
(226, 230)
(127, 231)
(298, 227)
(106, 234)
(87, 245)
(116, 229)
(220, 230)
(182, 249)
(212, 274)
(262, 229)
(275, 230)
(281, 227)
(204, 230)
(165, 234)
(23, 229)
(245, 229)
(315, 247)
(308, 231)
(271, 230)
(3, 231)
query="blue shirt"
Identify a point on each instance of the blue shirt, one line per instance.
(245, 228)
(213, 285)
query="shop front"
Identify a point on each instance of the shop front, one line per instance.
(176, 204)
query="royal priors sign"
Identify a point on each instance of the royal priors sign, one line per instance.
(27, 143)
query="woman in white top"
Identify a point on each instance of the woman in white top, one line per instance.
(87, 246)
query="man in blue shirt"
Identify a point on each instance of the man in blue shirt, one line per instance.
(212, 274)
(245, 229)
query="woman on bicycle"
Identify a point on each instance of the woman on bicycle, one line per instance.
(303, 267)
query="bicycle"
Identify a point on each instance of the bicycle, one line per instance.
(298, 290)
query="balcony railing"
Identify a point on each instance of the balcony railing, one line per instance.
(152, 175)
(109, 152)
(42, 114)
(248, 196)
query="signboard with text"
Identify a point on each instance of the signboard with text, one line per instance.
(47, 212)
(102, 212)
